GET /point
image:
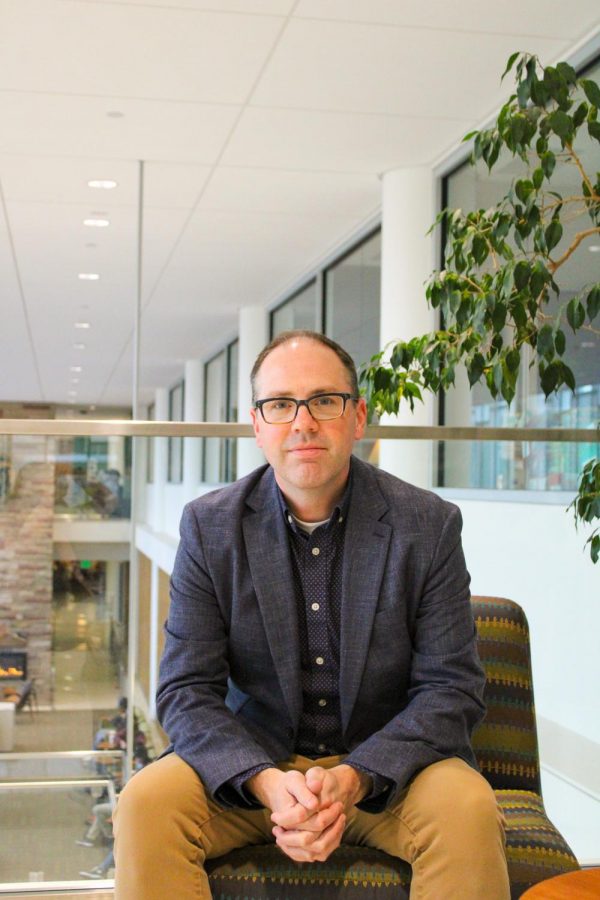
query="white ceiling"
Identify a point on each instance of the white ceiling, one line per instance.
(264, 126)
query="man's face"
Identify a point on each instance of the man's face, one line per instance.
(307, 455)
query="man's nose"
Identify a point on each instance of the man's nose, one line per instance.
(304, 421)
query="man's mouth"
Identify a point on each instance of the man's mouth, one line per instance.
(306, 450)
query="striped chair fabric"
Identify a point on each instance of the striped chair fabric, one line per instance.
(507, 751)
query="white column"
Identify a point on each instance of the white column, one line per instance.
(111, 587)
(154, 631)
(161, 414)
(407, 260)
(192, 412)
(252, 338)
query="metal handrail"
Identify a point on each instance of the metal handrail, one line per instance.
(142, 428)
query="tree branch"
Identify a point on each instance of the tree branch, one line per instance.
(579, 237)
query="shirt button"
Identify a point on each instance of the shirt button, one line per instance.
(321, 747)
(290, 520)
(341, 519)
(315, 606)
(315, 551)
(322, 702)
(319, 660)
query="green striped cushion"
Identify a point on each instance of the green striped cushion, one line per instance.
(507, 752)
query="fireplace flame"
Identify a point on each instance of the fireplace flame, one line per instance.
(11, 672)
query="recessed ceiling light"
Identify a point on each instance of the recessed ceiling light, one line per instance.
(594, 248)
(96, 223)
(88, 276)
(78, 346)
(115, 114)
(75, 368)
(74, 380)
(105, 184)
(82, 325)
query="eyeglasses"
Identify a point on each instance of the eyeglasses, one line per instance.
(322, 407)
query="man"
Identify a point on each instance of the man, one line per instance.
(320, 679)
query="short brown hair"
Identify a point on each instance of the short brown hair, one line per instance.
(286, 336)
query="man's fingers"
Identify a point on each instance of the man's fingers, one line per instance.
(307, 847)
(314, 779)
(297, 817)
(295, 784)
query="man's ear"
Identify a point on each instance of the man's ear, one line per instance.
(254, 415)
(361, 418)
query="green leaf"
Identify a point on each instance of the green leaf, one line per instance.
(594, 130)
(537, 178)
(560, 341)
(580, 114)
(539, 278)
(567, 376)
(549, 378)
(593, 302)
(523, 188)
(521, 274)
(517, 310)
(479, 249)
(513, 360)
(511, 61)
(566, 72)
(561, 124)
(545, 341)
(499, 316)
(575, 313)
(553, 234)
(591, 90)
(548, 161)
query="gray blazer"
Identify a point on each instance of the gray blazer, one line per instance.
(229, 694)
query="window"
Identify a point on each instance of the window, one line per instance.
(220, 405)
(151, 415)
(175, 471)
(301, 310)
(353, 300)
(519, 466)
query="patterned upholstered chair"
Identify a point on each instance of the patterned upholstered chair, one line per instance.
(507, 750)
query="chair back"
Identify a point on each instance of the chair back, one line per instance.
(506, 742)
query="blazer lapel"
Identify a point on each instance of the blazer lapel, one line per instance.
(365, 551)
(267, 547)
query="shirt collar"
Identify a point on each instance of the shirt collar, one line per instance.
(338, 515)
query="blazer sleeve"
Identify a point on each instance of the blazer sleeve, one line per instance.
(445, 696)
(193, 677)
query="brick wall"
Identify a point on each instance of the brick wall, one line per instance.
(26, 521)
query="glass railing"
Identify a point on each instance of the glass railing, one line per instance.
(85, 600)
(45, 832)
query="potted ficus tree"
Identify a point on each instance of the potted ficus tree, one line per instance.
(499, 291)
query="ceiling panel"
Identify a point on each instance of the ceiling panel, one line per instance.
(296, 193)
(375, 69)
(58, 180)
(120, 50)
(68, 126)
(173, 185)
(255, 7)
(553, 18)
(340, 142)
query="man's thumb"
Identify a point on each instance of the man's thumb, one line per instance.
(314, 779)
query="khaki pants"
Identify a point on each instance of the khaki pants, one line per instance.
(446, 824)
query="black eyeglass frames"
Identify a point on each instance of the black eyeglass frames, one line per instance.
(322, 407)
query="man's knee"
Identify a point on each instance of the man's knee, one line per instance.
(452, 793)
(166, 786)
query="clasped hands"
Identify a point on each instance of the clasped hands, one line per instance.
(309, 810)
